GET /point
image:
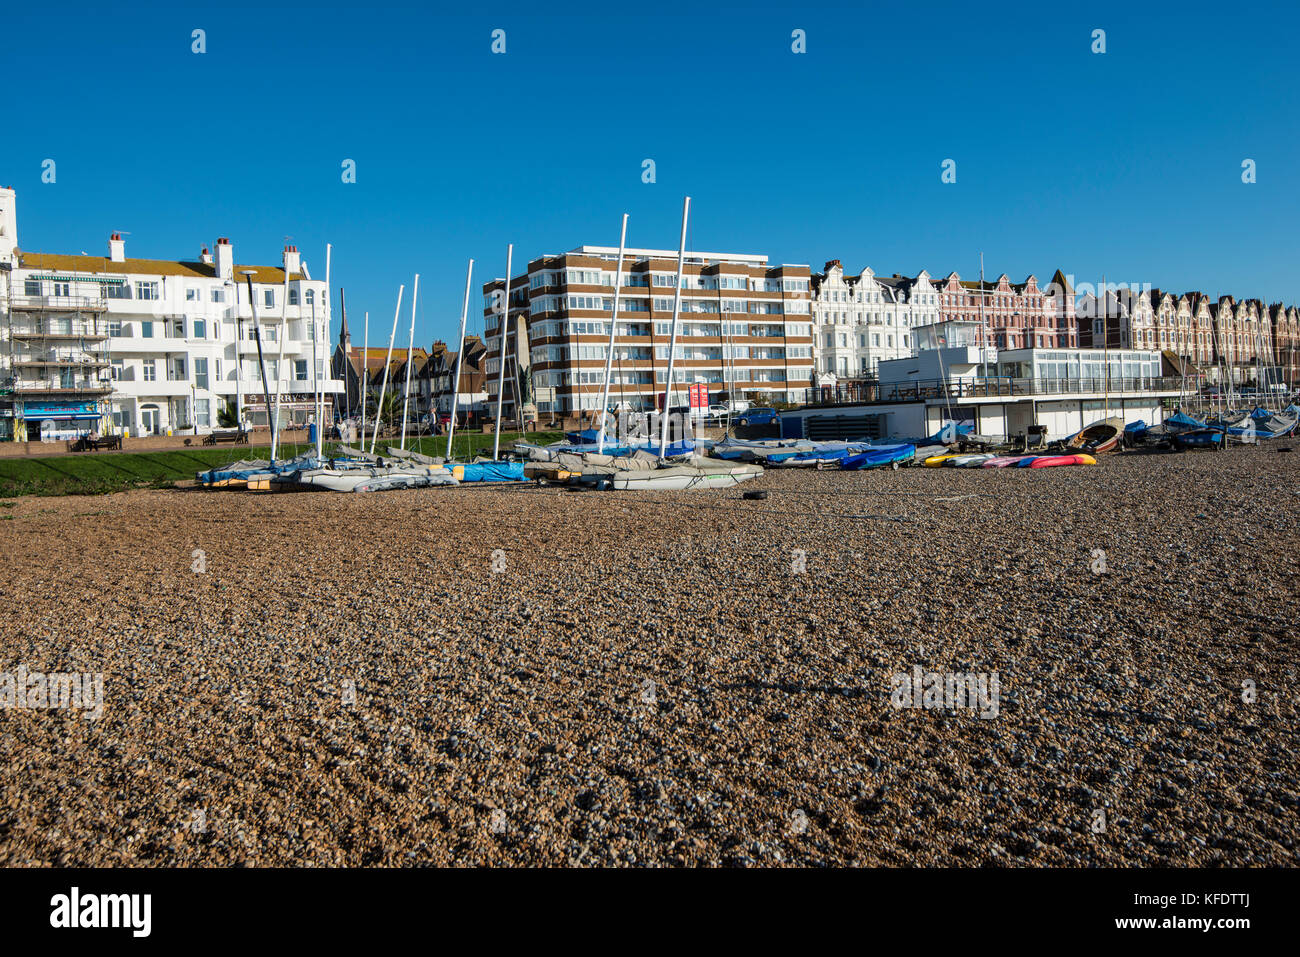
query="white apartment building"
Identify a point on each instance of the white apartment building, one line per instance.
(862, 320)
(148, 346)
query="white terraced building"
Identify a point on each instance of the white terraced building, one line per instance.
(861, 321)
(147, 346)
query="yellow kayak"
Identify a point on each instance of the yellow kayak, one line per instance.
(936, 461)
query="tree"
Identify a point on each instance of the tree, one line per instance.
(226, 417)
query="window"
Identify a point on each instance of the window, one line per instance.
(149, 370)
(115, 328)
(300, 369)
(268, 297)
(31, 287)
(200, 329)
(293, 297)
(146, 290)
(146, 329)
(177, 329)
(218, 370)
(191, 294)
(203, 412)
(118, 290)
(63, 289)
(200, 372)
(311, 297)
(176, 369)
(118, 370)
(218, 295)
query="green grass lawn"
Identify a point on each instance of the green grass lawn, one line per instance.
(96, 473)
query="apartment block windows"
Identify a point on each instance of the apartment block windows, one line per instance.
(200, 329)
(176, 369)
(146, 329)
(115, 328)
(268, 298)
(300, 370)
(118, 290)
(146, 290)
(149, 370)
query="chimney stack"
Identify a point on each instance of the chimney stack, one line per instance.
(292, 261)
(116, 248)
(225, 259)
(205, 256)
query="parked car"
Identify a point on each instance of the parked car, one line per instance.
(760, 416)
(719, 411)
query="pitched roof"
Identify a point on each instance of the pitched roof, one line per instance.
(145, 267)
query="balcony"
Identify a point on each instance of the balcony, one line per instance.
(57, 386)
(22, 328)
(57, 304)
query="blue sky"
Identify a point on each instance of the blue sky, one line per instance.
(1127, 163)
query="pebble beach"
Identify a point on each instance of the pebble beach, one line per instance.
(546, 677)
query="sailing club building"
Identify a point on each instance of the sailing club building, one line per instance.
(745, 331)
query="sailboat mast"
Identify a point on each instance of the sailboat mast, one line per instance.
(460, 354)
(501, 346)
(1105, 329)
(261, 362)
(388, 360)
(410, 353)
(613, 326)
(672, 339)
(363, 380)
(315, 381)
(315, 333)
(279, 362)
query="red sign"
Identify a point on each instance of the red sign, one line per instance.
(700, 396)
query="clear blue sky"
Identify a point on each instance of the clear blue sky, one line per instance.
(1127, 163)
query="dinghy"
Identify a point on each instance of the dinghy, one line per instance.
(682, 477)
(879, 456)
(1098, 438)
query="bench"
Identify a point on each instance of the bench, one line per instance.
(89, 443)
(234, 436)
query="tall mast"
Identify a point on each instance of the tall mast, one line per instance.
(279, 362)
(672, 339)
(315, 383)
(320, 392)
(239, 363)
(261, 363)
(501, 347)
(410, 350)
(613, 325)
(374, 436)
(1105, 326)
(347, 399)
(363, 380)
(460, 354)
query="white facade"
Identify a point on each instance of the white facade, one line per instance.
(862, 320)
(178, 335)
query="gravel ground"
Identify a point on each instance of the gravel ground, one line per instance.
(648, 678)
